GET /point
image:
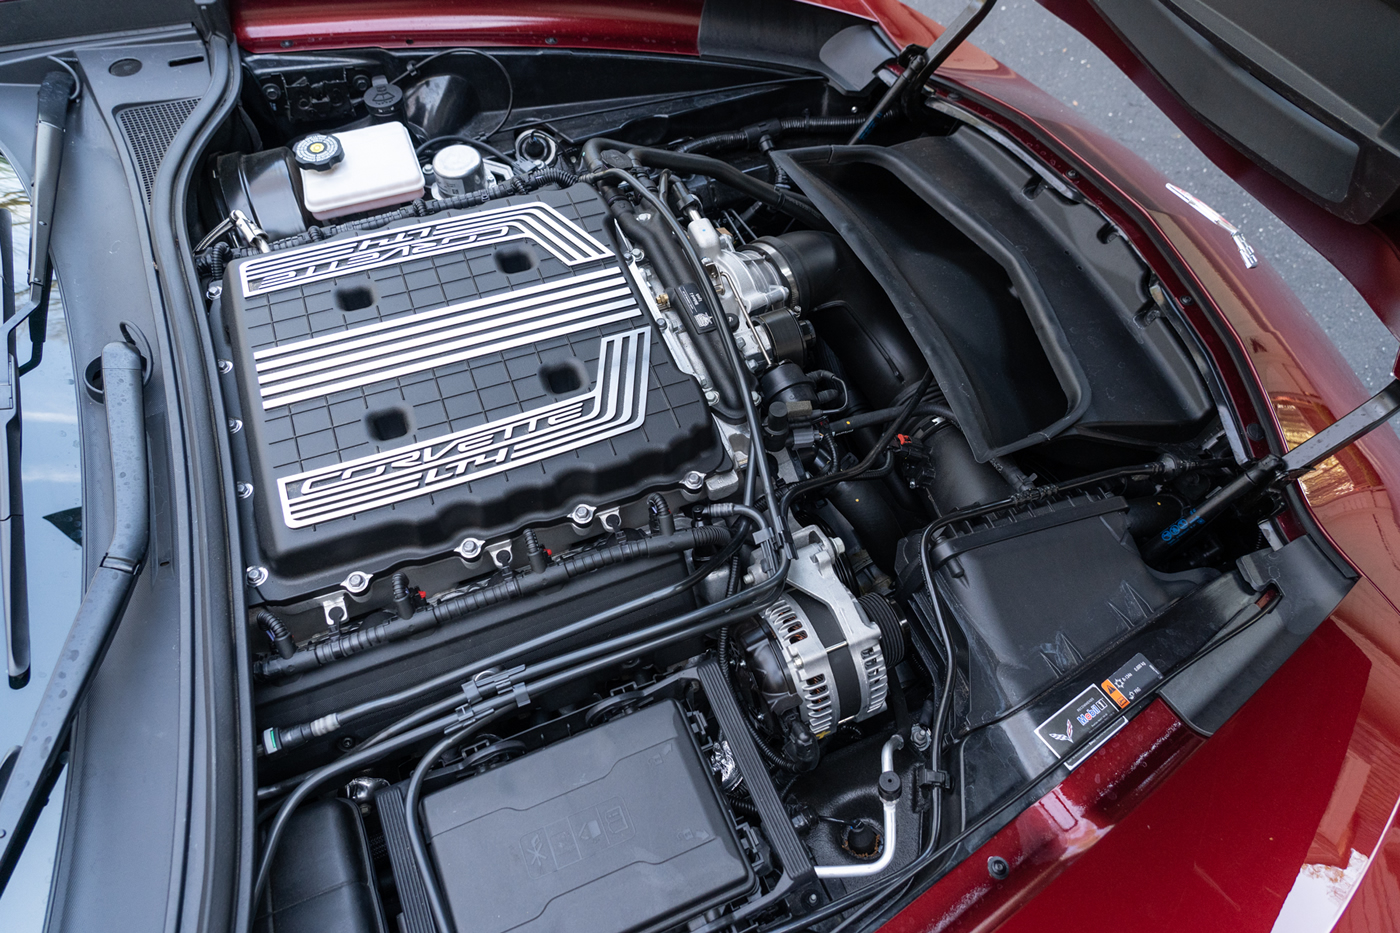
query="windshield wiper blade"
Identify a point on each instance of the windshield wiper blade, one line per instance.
(14, 590)
(33, 771)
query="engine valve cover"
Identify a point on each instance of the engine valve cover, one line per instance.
(469, 373)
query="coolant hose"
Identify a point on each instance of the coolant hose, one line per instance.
(794, 205)
(671, 268)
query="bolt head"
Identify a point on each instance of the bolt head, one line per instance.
(644, 216)
(357, 582)
(920, 737)
(243, 490)
(470, 548)
(256, 576)
(693, 480)
(234, 425)
(582, 514)
(998, 867)
(213, 291)
(225, 366)
(271, 91)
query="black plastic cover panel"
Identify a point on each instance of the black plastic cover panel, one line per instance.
(617, 829)
(322, 878)
(1306, 90)
(1036, 598)
(466, 373)
(1032, 312)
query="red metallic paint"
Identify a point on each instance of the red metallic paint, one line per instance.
(671, 26)
(630, 25)
(1050, 835)
(1158, 830)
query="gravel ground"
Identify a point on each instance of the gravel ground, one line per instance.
(1063, 63)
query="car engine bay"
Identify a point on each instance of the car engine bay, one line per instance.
(710, 530)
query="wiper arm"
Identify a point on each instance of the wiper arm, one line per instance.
(32, 772)
(55, 91)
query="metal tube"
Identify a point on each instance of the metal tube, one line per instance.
(890, 806)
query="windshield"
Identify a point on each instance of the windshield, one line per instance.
(53, 536)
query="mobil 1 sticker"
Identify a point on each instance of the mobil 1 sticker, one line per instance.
(1128, 682)
(692, 304)
(1076, 721)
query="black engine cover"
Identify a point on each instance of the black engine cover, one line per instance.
(466, 374)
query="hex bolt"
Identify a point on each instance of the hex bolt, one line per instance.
(644, 217)
(694, 481)
(357, 582)
(271, 91)
(470, 548)
(256, 576)
(998, 868)
(225, 366)
(234, 426)
(213, 291)
(243, 490)
(582, 515)
(920, 736)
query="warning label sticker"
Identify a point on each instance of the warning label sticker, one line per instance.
(1076, 721)
(1129, 681)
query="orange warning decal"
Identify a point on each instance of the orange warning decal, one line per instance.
(1114, 694)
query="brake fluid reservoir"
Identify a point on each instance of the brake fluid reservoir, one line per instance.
(376, 168)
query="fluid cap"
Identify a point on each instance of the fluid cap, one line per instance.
(318, 152)
(383, 100)
(458, 169)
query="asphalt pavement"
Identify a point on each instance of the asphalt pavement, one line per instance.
(1029, 40)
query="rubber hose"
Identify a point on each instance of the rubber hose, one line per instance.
(277, 633)
(458, 607)
(749, 136)
(794, 205)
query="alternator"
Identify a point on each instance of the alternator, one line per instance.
(818, 649)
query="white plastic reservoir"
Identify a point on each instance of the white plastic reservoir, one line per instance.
(380, 169)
